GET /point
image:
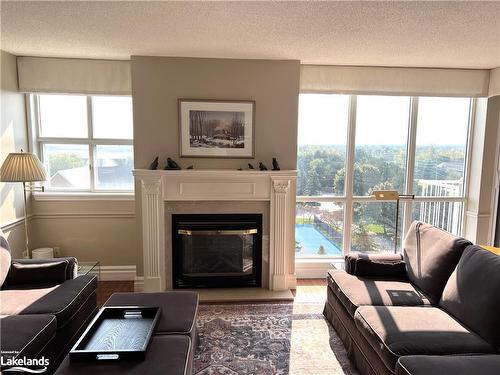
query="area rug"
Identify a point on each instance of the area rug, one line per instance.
(271, 338)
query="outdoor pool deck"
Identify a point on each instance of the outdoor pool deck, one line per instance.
(311, 239)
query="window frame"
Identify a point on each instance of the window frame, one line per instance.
(37, 142)
(406, 206)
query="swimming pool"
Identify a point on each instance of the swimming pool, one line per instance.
(310, 239)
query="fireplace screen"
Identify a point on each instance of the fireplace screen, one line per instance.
(216, 250)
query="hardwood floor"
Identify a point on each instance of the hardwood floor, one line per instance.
(107, 288)
(308, 290)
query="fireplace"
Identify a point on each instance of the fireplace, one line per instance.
(216, 250)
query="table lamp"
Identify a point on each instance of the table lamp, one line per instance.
(26, 168)
(393, 195)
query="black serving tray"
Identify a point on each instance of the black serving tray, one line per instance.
(118, 333)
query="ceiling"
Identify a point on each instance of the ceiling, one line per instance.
(418, 34)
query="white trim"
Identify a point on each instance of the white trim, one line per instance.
(82, 196)
(11, 224)
(91, 215)
(139, 284)
(349, 173)
(316, 269)
(410, 166)
(118, 273)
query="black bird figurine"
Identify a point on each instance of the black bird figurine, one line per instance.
(154, 165)
(250, 166)
(276, 166)
(172, 165)
(262, 167)
(190, 167)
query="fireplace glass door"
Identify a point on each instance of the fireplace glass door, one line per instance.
(216, 250)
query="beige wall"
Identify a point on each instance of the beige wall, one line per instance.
(13, 137)
(157, 83)
(102, 230)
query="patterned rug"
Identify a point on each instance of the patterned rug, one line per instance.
(277, 338)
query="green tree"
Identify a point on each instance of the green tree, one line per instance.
(62, 161)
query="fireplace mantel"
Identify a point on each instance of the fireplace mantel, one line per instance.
(159, 186)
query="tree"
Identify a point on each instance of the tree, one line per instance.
(62, 161)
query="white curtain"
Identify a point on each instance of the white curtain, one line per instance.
(394, 81)
(82, 76)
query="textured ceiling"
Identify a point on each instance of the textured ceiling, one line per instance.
(424, 34)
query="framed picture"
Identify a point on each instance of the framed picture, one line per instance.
(216, 128)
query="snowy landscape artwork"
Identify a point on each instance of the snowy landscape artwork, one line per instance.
(216, 128)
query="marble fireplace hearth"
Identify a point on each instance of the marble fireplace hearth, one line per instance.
(270, 193)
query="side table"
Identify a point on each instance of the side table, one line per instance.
(92, 268)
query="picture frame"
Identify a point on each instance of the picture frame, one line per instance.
(211, 128)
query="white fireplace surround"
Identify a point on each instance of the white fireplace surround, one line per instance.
(159, 187)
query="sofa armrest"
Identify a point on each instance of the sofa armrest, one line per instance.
(43, 265)
(375, 265)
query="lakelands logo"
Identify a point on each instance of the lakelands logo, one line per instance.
(24, 364)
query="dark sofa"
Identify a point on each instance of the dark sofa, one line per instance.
(43, 306)
(435, 306)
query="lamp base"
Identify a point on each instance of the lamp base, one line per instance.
(26, 255)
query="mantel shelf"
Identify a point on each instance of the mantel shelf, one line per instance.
(213, 172)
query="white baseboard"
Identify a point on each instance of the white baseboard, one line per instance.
(118, 273)
(139, 284)
(316, 269)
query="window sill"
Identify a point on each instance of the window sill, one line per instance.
(82, 196)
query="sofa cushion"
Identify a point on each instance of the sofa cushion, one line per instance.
(456, 365)
(43, 273)
(431, 255)
(354, 291)
(16, 299)
(395, 331)
(25, 335)
(375, 265)
(472, 294)
(63, 300)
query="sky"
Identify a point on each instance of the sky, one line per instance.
(382, 120)
(66, 116)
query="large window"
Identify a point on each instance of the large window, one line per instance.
(350, 146)
(85, 142)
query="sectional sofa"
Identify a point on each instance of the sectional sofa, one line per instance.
(433, 309)
(43, 307)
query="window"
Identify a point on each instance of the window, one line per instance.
(352, 145)
(85, 142)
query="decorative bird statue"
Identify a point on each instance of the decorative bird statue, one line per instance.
(276, 166)
(250, 166)
(262, 167)
(154, 165)
(172, 165)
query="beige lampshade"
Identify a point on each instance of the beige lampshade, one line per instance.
(22, 167)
